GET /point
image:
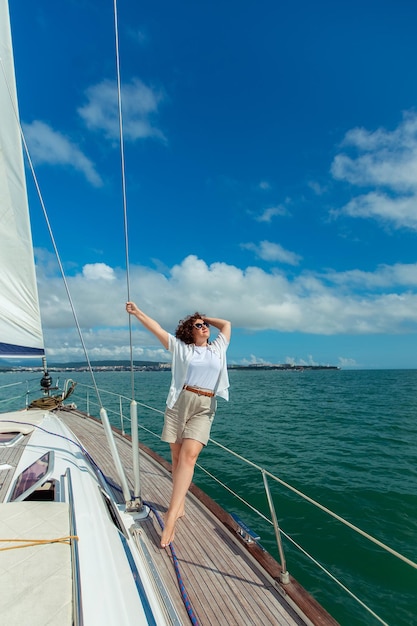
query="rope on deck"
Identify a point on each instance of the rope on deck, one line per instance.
(51, 402)
(181, 585)
(28, 543)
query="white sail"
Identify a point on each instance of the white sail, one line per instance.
(20, 323)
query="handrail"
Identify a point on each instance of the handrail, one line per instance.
(265, 474)
(76, 586)
(280, 481)
(320, 506)
(20, 396)
(285, 577)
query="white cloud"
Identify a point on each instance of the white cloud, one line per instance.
(269, 213)
(347, 362)
(49, 146)
(387, 162)
(255, 360)
(253, 299)
(401, 211)
(289, 360)
(398, 276)
(318, 189)
(264, 185)
(273, 252)
(98, 271)
(102, 343)
(139, 104)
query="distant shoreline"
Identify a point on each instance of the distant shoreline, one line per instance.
(154, 366)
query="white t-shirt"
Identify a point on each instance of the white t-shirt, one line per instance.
(182, 355)
(204, 368)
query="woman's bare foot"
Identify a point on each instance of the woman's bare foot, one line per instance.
(168, 533)
(166, 542)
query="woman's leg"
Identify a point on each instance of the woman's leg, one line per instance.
(182, 477)
(175, 454)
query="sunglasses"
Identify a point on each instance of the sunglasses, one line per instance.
(198, 325)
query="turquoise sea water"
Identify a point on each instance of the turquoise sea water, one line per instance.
(347, 439)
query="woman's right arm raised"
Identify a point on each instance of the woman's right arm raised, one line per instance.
(152, 325)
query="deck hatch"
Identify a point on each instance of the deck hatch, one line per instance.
(32, 477)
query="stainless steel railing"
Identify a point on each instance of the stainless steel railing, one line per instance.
(119, 410)
(76, 585)
(120, 415)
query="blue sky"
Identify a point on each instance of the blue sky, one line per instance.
(271, 172)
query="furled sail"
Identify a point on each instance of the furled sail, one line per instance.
(20, 323)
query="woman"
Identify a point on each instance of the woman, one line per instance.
(199, 374)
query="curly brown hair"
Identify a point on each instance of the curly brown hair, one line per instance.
(185, 327)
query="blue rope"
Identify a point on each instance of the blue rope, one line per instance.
(75, 443)
(181, 585)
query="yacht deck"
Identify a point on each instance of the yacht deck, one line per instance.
(224, 582)
(227, 581)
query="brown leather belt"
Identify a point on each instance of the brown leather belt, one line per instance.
(199, 392)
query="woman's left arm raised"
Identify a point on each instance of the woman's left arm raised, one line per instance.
(224, 326)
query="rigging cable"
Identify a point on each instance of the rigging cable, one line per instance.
(134, 428)
(103, 412)
(48, 225)
(123, 175)
(133, 404)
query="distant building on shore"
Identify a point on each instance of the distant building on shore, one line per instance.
(156, 366)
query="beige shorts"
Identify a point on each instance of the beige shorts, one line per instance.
(190, 418)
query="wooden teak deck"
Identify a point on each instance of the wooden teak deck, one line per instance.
(226, 581)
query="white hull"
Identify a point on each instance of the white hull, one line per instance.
(110, 594)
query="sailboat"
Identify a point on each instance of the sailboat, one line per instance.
(81, 503)
(79, 542)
